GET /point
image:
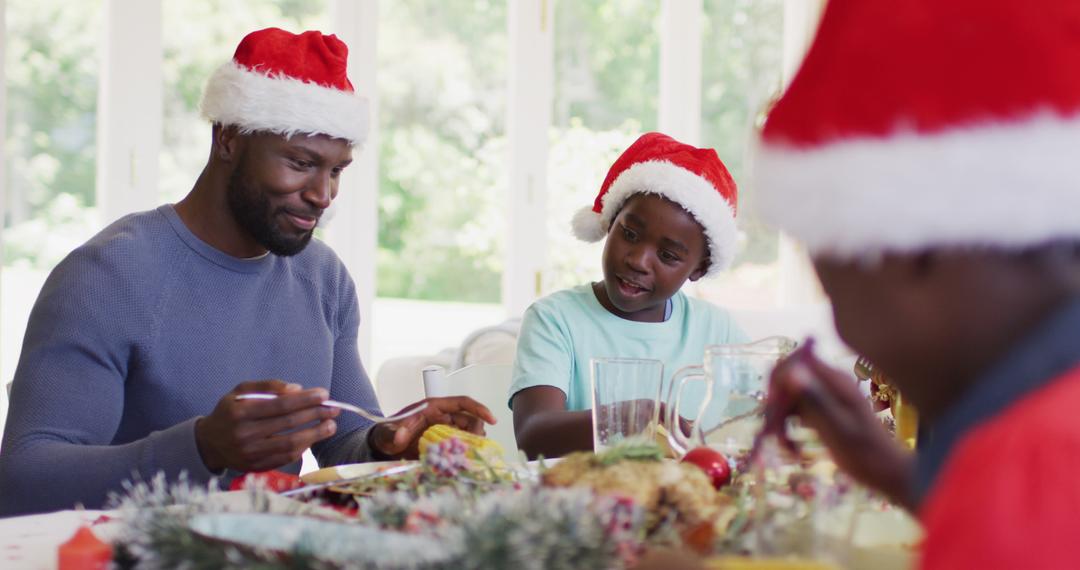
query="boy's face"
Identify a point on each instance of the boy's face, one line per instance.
(652, 248)
(920, 318)
(863, 302)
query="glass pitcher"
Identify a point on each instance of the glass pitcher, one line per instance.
(729, 388)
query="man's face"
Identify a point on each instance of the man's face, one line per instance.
(280, 187)
(652, 248)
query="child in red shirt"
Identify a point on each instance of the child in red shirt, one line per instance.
(925, 153)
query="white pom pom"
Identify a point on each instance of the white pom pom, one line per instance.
(586, 225)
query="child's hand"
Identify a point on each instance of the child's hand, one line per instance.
(828, 401)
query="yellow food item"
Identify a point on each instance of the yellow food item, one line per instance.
(907, 420)
(479, 447)
(662, 441)
(743, 563)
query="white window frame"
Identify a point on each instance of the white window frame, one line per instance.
(798, 282)
(531, 79)
(354, 230)
(3, 184)
(679, 112)
(129, 108)
(3, 141)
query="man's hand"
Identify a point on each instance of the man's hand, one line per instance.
(828, 401)
(250, 435)
(399, 439)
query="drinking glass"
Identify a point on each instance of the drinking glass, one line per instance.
(625, 400)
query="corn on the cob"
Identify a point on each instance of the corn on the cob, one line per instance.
(480, 447)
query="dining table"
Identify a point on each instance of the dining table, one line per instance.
(31, 542)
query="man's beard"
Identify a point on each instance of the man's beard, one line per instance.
(252, 211)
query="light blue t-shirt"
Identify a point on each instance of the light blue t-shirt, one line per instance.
(563, 331)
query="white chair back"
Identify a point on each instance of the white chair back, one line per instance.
(488, 384)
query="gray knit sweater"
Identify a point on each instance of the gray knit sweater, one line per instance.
(141, 331)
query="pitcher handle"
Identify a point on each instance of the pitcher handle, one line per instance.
(679, 443)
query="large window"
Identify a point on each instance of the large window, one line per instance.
(741, 72)
(51, 73)
(605, 95)
(442, 169)
(442, 97)
(442, 88)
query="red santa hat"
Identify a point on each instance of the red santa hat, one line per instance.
(287, 83)
(928, 123)
(694, 178)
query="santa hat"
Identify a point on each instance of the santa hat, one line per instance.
(286, 83)
(694, 178)
(928, 123)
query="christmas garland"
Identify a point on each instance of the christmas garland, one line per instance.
(450, 514)
(524, 527)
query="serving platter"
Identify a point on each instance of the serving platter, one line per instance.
(351, 471)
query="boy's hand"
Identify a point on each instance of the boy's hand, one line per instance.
(828, 401)
(400, 439)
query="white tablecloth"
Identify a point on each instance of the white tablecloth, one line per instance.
(30, 542)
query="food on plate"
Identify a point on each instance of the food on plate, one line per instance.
(671, 493)
(451, 460)
(744, 563)
(662, 441)
(478, 447)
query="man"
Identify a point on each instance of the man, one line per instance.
(925, 154)
(143, 337)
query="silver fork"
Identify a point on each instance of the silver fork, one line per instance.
(343, 406)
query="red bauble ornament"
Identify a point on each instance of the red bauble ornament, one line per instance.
(712, 462)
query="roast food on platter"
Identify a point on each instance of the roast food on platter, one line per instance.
(673, 494)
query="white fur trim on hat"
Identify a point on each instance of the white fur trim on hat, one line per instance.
(1009, 186)
(694, 193)
(253, 101)
(586, 225)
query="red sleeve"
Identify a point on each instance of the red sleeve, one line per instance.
(1009, 497)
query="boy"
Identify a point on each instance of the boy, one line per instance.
(942, 209)
(667, 210)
